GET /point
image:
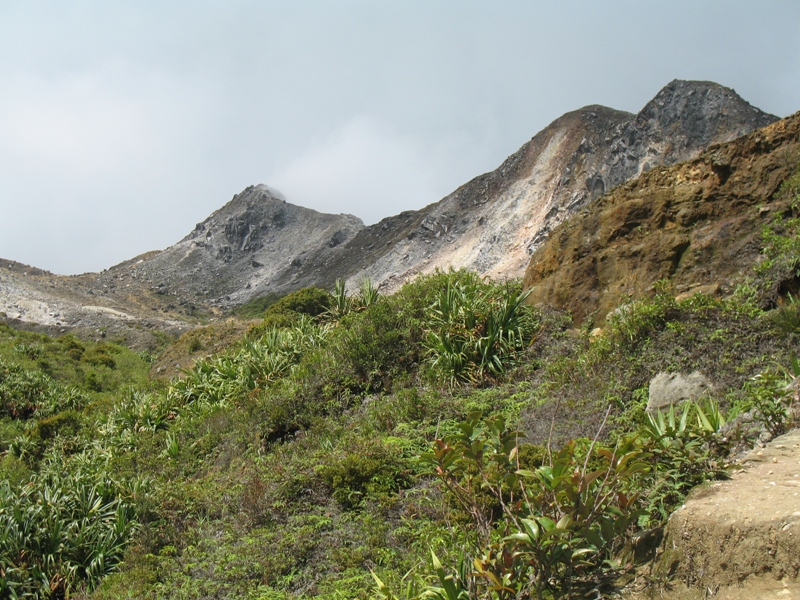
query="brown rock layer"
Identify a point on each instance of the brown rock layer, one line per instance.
(747, 526)
(697, 223)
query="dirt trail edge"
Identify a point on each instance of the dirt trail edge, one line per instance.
(740, 538)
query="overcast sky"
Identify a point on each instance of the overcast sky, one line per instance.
(122, 124)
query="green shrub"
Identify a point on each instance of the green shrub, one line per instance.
(66, 423)
(309, 301)
(258, 361)
(779, 271)
(787, 316)
(477, 329)
(368, 468)
(99, 357)
(367, 351)
(73, 347)
(25, 393)
(291, 310)
(13, 470)
(254, 308)
(60, 534)
(556, 526)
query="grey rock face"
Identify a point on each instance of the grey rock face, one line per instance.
(255, 244)
(672, 389)
(684, 117)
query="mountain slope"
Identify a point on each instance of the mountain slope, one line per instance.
(254, 243)
(258, 244)
(496, 221)
(698, 223)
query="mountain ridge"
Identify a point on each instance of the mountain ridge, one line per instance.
(259, 244)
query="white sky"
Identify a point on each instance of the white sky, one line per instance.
(122, 124)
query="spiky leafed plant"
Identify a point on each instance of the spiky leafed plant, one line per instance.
(342, 303)
(63, 531)
(477, 328)
(255, 363)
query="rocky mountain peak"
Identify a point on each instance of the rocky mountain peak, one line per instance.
(694, 223)
(701, 108)
(493, 223)
(257, 240)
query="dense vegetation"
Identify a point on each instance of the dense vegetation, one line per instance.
(447, 441)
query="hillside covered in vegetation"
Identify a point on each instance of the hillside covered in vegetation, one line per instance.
(447, 441)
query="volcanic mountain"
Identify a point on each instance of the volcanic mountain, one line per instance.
(259, 244)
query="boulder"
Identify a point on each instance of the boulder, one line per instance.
(670, 389)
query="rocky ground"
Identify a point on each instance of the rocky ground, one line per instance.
(738, 538)
(40, 301)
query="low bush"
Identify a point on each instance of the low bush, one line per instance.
(368, 468)
(477, 329)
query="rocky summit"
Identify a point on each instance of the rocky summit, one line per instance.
(496, 221)
(256, 243)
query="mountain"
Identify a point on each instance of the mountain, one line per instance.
(259, 244)
(255, 243)
(496, 221)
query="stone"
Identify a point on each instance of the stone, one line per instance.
(680, 223)
(709, 290)
(672, 389)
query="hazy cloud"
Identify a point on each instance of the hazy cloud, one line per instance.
(366, 168)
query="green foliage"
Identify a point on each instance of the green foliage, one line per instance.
(258, 361)
(781, 244)
(766, 396)
(787, 316)
(686, 452)
(556, 524)
(255, 307)
(342, 303)
(310, 301)
(477, 329)
(100, 355)
(27, 393)
(61, 533)
(366, 469)
(367, 350)
(283, 466)
(367, 294)
(630, 323)
(66, 423)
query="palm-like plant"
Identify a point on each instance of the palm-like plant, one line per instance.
(478, 328)
(62, 532)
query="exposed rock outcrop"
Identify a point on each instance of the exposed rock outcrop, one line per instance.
(735, 531)
(257, 243)
(697, 223)
(672, 389)
(496, 221)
